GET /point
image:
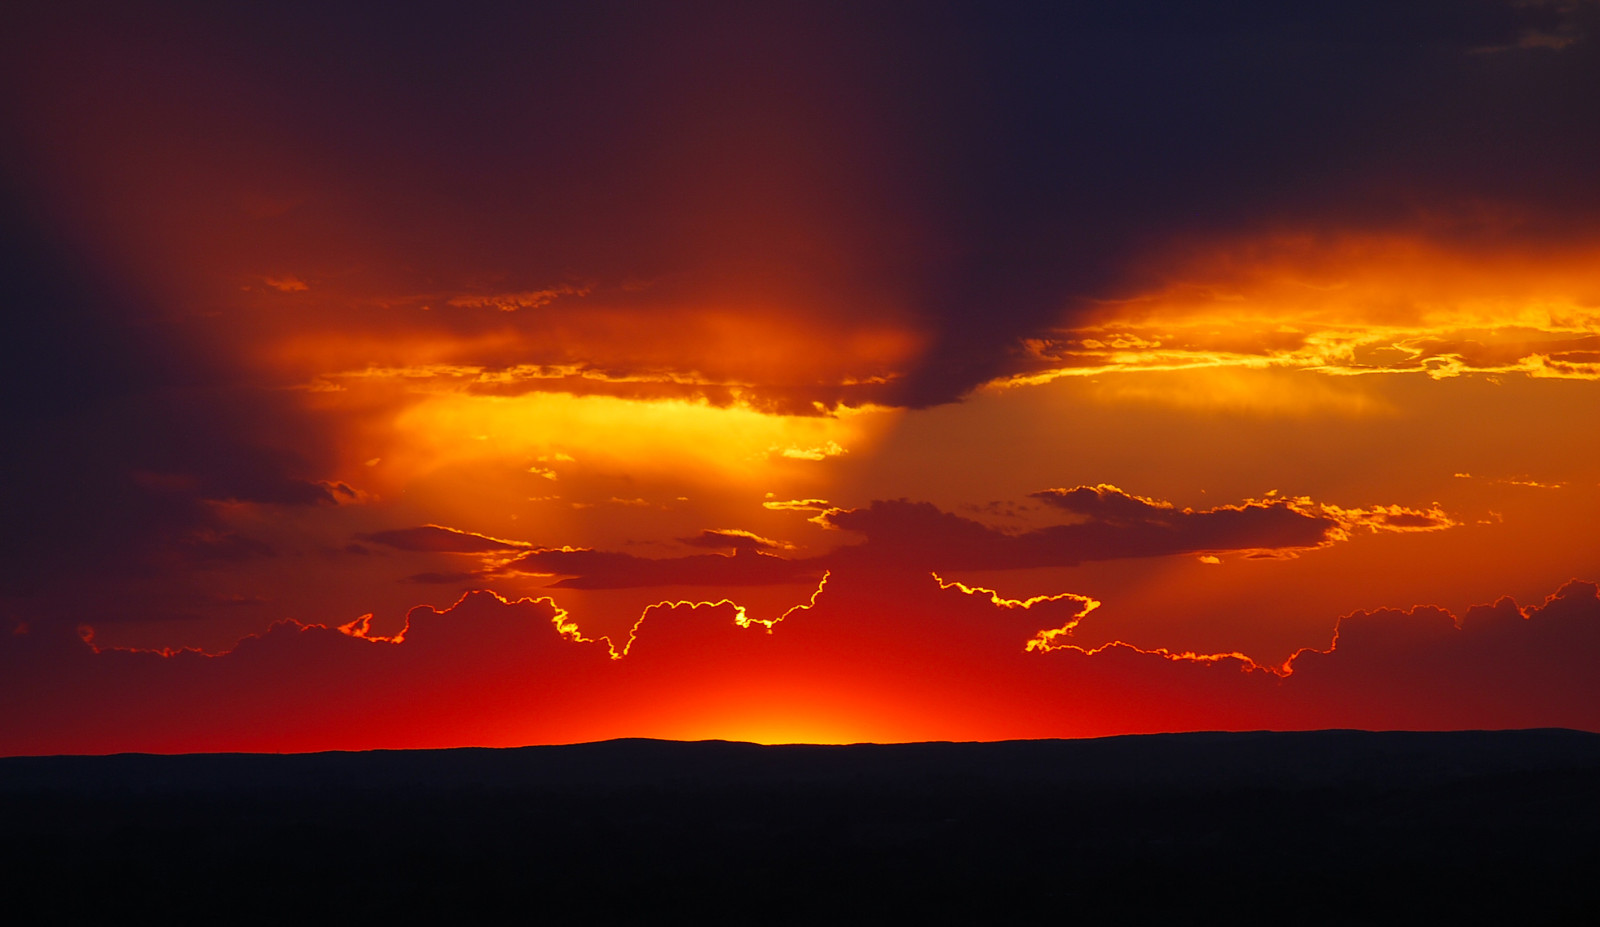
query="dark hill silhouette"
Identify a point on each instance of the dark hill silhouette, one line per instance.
(1327, 825)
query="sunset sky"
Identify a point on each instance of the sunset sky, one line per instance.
(543, 373)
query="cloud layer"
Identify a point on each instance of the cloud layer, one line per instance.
(907, 660)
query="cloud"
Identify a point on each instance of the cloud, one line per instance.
(879, 260)
(271, 489)
(1433, 299)
(894, 657)
(819, 506)
(1325, 349)
(1382, 518)
(595, 569)
(734, 539)
(1107, 503)
(1517, 481)
(1078, 606)
(1111, 524)
(511, 302)
(298, 686)
(823, 452)
(1232, 525)
(1497, 665)
(642, 382)
(441, 539)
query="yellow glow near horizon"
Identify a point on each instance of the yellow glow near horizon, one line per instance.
(780, 727)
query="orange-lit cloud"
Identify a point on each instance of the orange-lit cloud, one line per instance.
(1046, 636)
(735, 539)
(756, 359)
(1344, 305)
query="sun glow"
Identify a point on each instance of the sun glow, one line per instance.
(791, 722)
(691, 439)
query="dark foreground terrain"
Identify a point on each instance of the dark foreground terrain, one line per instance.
(1323, 827)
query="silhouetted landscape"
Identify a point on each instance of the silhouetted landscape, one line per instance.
(1309, 827)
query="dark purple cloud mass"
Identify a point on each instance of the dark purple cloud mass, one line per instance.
(1113, 526)
(597, 569)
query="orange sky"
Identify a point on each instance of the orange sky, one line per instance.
(798, 376)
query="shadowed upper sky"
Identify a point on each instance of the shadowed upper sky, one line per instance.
(1235, 317)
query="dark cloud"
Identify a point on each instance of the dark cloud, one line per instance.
(1497, 666)
(1110, 524)
(1115, 525)
(1108, 504)
(596, 569)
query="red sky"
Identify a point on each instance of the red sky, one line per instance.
(938, 371)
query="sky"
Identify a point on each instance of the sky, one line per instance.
(548, 373)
